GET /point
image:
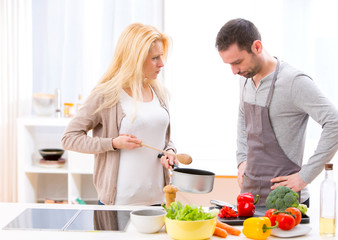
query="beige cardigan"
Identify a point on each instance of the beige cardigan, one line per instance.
(105, 125)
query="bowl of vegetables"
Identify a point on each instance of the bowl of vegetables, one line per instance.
(189, 222)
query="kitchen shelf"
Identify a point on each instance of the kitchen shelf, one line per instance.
(37, 169)
(35, 182)
(82, 172)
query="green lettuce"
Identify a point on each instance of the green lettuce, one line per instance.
(189, 212)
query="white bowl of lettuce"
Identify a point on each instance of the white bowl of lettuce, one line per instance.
(190, 222)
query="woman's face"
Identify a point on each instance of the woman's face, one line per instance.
(154, 61)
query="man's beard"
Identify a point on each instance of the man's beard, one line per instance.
(251, 72)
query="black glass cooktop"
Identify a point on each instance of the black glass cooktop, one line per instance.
(93, 220)
(70, 220)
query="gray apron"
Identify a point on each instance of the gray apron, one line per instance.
(265, 158)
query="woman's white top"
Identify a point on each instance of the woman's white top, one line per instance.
(140, 178)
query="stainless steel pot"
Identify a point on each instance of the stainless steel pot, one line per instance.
(193, 180)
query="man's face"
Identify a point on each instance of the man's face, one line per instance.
(242, 63)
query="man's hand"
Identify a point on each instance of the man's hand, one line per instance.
(240, 175)
(126, 141)
(292, 181)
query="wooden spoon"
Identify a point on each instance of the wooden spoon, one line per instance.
(182, 157)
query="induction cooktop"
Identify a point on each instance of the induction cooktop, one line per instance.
(70, 220)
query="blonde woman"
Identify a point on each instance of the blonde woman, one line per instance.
(127, 107)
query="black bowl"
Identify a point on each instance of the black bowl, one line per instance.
(51, 153)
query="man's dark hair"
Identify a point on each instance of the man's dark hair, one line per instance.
(240, 31)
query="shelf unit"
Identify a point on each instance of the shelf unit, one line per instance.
(37, 183)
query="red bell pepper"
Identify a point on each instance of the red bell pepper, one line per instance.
(246, 204)
(227, 212)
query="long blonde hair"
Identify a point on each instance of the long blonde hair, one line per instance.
(126, 68)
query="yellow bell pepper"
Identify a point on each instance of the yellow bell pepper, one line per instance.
(257, 228)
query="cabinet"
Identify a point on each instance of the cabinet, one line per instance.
(37, 183)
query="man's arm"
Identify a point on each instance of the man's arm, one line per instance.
(307, 97)
(241, 147)
(241, 137)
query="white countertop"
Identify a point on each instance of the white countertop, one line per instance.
(9, 211)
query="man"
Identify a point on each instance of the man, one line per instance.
(276, 102)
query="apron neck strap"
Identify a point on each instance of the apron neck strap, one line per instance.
(268, 100)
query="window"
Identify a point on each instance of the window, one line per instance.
(205, 94)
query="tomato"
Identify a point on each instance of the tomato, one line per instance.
(271, 216)
(285, 221)
(295, 211)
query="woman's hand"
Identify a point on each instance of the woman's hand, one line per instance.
(168, 161)
(126, 141)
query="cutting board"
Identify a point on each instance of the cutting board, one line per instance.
(259, 212)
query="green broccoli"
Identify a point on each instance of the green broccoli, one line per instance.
(281, 198)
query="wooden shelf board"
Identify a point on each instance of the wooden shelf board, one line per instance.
(38, 169)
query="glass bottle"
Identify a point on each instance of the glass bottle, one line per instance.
(68, 110)
(57, 103)
(328, 203)
(79, 103)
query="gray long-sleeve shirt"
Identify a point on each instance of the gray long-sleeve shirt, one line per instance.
(295, 98)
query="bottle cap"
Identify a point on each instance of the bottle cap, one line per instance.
(328, 166)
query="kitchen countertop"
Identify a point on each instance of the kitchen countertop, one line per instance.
(9, 211)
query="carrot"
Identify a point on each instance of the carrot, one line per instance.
(230, 229)
(220, 232)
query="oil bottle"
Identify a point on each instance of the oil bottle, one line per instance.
(328, 203)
